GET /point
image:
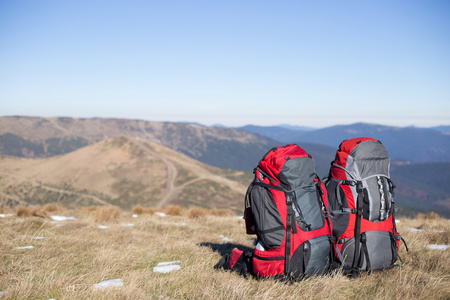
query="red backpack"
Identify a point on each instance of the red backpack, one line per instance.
(361, 201)
(285, 207)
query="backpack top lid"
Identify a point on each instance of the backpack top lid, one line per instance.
(361, 158)
(290, 166)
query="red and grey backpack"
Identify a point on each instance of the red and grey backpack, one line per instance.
(361, 201)
(285, 206)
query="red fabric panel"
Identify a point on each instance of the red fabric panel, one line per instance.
(280, 200)
(342, 154)
(386, 225)
(341, 160)
(350, 231)
(349, 195)
(275, 160)
(235, 254)
(268, 267)
(366, 225)
(302, 236)
(325, 201)
(348, 145)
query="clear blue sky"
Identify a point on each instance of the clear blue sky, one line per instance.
(310, 63)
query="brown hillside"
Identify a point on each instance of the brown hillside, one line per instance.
(122, 171)
(44, 137)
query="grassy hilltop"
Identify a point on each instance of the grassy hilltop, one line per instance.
(70, 257)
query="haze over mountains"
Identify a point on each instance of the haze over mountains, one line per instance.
(408, 143)
(133, 161)
(44, 137)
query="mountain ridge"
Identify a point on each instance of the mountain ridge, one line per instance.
(403, 143)
(42, 137)
(121, 171)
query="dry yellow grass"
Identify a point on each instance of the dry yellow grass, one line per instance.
(107, 213)
(174, 210)
(50, 208)
(221, 212)
(72, 258)
(6, 210)
(196, 212)
(89, 209)
(139, 210)
(29, 211)
(428, 216)
(101, 214)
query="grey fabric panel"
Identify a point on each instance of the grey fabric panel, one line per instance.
(266, 217)
(374, 198)
(371, 158)
(352, 169)
(300, 172)
(379, 246)
(348, 251)
(306, 199)
(319, 260)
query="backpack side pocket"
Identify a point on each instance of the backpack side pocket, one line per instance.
(268, 223)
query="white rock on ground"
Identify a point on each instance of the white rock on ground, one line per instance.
(161, 214)
(4, 216)
(438, 247)
(166, 267)
(109, 283)
(25, 247)
(415, 229)
(62, 218)
(102, 227)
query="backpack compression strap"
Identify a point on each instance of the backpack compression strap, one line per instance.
(359, 205)
(287, 262)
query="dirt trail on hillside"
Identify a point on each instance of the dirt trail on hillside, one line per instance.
(57, 126)
(171, 173)
(62, 191)
(171, 188)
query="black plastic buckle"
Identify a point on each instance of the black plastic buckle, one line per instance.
(359, 187)
(349, 182)
(363, 238)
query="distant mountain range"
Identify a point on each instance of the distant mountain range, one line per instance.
(420, 168)
(408, 143)
(423, 185)
(442, 128)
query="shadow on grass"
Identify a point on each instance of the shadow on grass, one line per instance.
(224, 248)
(243, 265)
